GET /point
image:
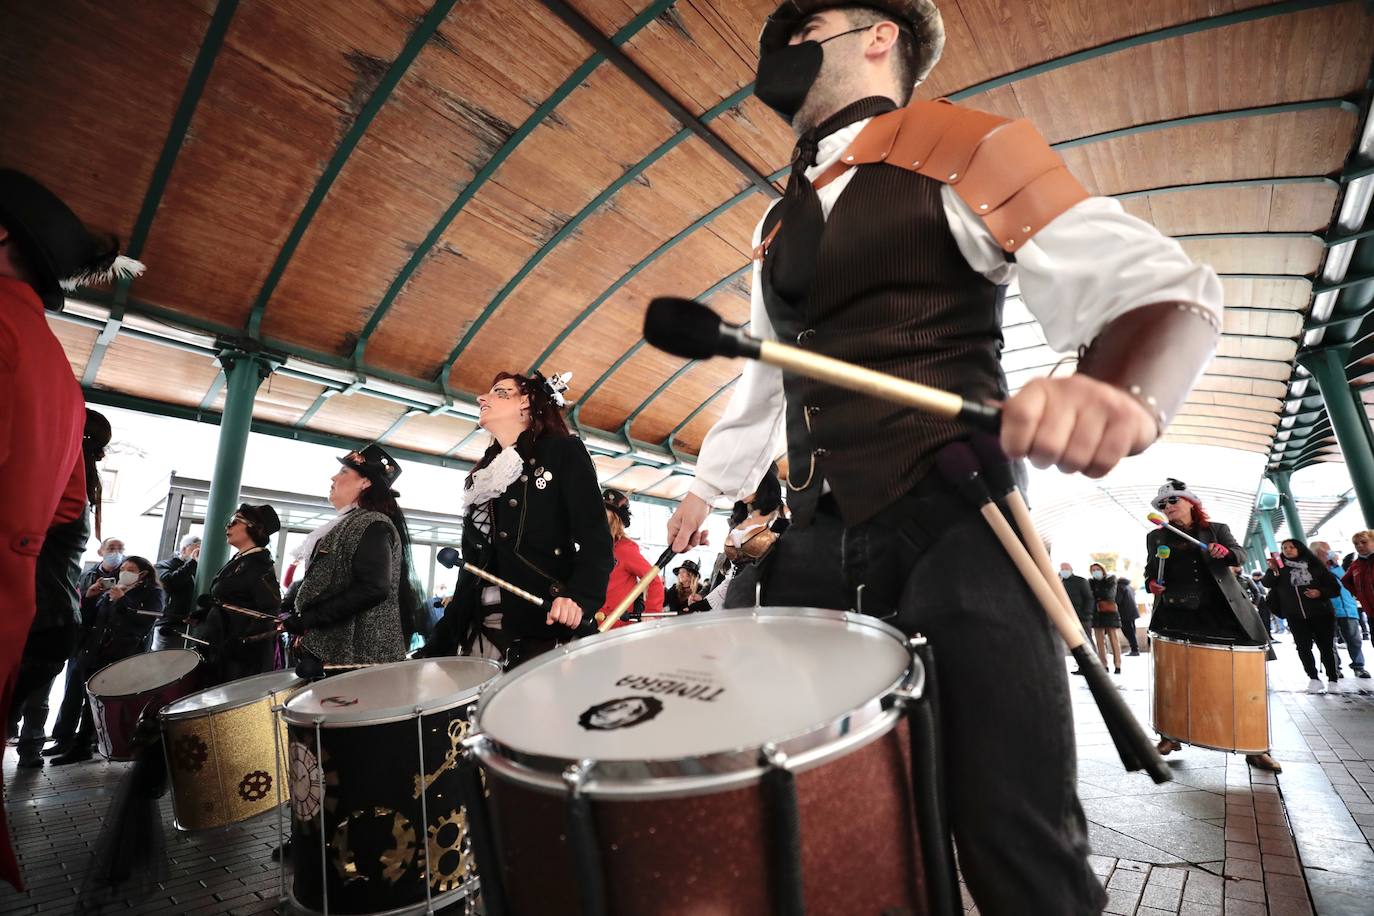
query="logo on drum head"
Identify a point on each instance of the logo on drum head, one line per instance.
(621, 712)
(339, 701)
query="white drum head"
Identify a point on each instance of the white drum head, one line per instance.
(698, 686)
(143, 672)
(232, 695)
(385, 693)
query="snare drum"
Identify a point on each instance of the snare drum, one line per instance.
(674, 734)
(122, 690)
(226, 765)
(376, 823)
(1210, 695)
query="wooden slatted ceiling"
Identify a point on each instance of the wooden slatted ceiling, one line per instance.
(1257, 255)
(674, 487)
(1260, 208)
(150, 370)
(283, 399)
(460, 100)
(55, 94)
(76, 341)
(356, 415)
(552, 175)
(431, 434)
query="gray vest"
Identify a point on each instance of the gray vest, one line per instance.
(372, 636)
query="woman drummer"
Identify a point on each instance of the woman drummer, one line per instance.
(1198, 597)
(630, 565)
(355, 599)
(240, 645)
(533, 517)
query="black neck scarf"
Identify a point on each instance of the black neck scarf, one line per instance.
(792, 254)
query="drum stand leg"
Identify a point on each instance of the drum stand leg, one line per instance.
(324, 857)
(483, 842)
(281, 830)
(928, 792)
(586, 852)
(784, 833)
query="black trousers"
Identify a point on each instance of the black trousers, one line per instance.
(931, 565)
(1128, 630)
(1322, 630)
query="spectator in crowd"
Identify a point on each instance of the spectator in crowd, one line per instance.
(1125, 603)
(1106, 617)
(354, 599)
(686, 595)
(1347, 611)
(56, 626)
(1301, 591)
(1359, 570)
(111, 554)
(1080, 596)
(240, 645)
(1253, 586)
(751, 541)
(177, 574)
(630, 565)
(123, 610)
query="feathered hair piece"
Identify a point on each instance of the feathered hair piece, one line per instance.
(554, 384)
(108, 269)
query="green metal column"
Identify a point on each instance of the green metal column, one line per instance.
(243, 374)
(1283, 480)
(1267, 533)
(1348, 420)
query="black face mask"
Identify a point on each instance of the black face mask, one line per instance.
(786, 75)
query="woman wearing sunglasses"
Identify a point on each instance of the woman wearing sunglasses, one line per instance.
(1197, 597)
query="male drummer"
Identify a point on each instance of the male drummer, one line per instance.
(880, 264)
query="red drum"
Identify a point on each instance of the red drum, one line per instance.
(121, 692)
(730, 763)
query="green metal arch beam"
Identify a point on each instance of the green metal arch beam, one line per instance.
(1208, 118)
(488, 169)
(647, 260)
(424, 31)
(1229, 183)
(162, 173)
(571, 226)
(1200, 236)
(668, 442)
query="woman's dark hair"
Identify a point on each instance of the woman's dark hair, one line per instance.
(380, 498)
(94, 440)
(149, 571)
(1304, 552)
(546, 417)
(768, 495)
(739, 513)
(260, 538)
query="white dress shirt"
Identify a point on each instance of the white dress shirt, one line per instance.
(1090, 265)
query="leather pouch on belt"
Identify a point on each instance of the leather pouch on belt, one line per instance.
(1154, 353)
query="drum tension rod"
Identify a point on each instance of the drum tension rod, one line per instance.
(582, 837)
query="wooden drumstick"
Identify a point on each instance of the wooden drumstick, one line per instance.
(958, 464)
(1157, 519)
(605, 623)
(188, 636)
(450, 558)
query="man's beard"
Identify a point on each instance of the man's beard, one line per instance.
(831, 91)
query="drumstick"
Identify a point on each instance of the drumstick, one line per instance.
(450, 558)
(609, 620)
(958, 465)
(997, 469)
(190, 637)
(247, 612)
(1159, 520)
(691, 330)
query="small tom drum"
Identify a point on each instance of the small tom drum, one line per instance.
(226, 765)
(376, 821)
(122, 690)
(691, 751)
(1211, 695)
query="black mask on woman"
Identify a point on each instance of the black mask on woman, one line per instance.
(786, 75)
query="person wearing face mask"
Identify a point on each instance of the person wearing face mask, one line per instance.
(1125, 603)
(1106, 620)
(1302, 589)
(123, 612)
(1198, 596)
(356, 598)
(534, 516)
(241, 646)
(178, 576)
(1347, 612)
(900, 225)
(1081, 597)
(88, 585)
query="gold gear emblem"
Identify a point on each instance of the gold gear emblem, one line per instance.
(394, 860)
(450, 852)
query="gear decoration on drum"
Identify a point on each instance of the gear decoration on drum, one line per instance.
(457, 731)
(450, 852)
(394, 860)
(255, 785)
(189, 753)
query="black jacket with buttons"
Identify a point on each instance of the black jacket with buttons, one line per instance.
(549, 537)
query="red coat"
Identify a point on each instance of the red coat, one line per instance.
(42, 414)
(1359, 579)
(630, 567)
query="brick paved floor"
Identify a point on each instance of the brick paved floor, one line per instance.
(1219, 840)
